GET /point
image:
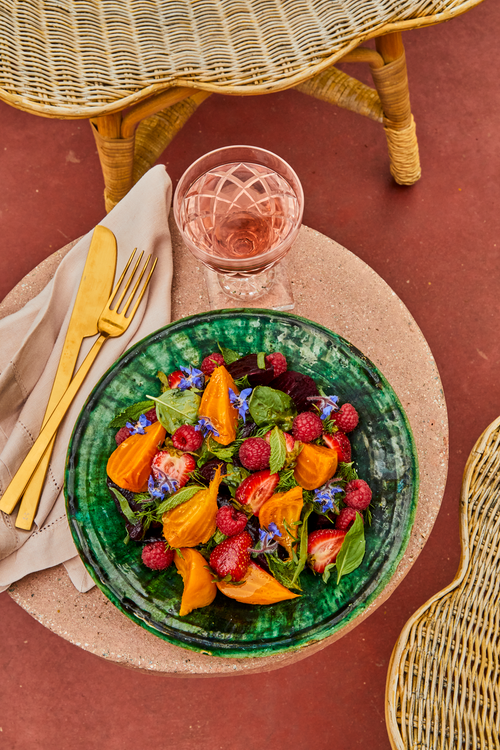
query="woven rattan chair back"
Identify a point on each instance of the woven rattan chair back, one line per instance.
(444, 677)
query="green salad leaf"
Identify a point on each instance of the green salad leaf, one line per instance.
(179, 497)
(283, 571)
(175, 408)
(269, 406)
(352, 551)
(131, 414)
(229, 355)
(278, 450)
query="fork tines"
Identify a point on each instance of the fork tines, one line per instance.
(129, 282)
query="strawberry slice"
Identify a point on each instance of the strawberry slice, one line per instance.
(175, 378)
(232, 557)
(323, 547)
(256, 489)
(173, 467)
(341, 443)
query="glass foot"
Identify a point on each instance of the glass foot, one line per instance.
(271, 289)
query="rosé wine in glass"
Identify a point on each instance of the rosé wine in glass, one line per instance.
(239, 210)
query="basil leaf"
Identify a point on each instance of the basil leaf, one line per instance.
(131, 414)
(269, 406)
(229, 355)
(261, 360)
(278, 450)
(125, 507)
(175, 408)
(181, 496)
(303, 544)
(352, 551)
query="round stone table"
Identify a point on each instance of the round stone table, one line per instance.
(332, 287)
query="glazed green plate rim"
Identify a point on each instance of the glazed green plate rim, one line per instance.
(206, 644)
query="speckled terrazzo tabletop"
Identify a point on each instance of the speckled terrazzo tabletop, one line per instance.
(364, 310)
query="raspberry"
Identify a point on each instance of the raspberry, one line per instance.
(346, 418)
(122, 434)
(157, 556)
(151, 415)
(346, 518)
(254, 454)
(357, 494)
(307, 426)
(211, 362)
(230, 521)
(186, 438)
(278, 361)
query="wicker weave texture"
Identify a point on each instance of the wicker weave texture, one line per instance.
(75, 58)
(443, 688)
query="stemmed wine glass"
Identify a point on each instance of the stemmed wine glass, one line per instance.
(239, 210)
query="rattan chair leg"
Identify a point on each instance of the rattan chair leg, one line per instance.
(117, 159)
(391, 82)
(154, 133)
(336, 87)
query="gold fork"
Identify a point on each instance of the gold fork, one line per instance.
(111, 323)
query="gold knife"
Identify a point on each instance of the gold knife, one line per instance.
(93, 293)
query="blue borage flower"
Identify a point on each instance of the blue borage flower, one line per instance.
(159, 488)
(138, 427)
(267, 542)
(240, 402)
(206, 427)
(325, 496)
(193, 378)
(327, 404)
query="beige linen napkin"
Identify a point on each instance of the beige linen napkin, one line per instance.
(31, 341)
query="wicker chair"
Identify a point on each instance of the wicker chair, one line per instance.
(139, 70)
(443, 686)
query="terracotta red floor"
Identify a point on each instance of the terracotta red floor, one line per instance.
(436, 244)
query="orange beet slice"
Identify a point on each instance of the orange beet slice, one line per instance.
(199, 588)
(315, 466)
(258, 587)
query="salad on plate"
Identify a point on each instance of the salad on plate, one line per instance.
(240, 475)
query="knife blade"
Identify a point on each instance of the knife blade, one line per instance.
(95, 288)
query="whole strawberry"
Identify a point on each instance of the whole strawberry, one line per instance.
(157, 555)
(346, 418)
(358, 495)
(254, 454)
(230, 521)
(341, 443)
(232, 557)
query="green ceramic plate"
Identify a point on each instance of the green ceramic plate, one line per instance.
(384, 452)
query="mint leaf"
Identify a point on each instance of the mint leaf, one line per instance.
(229, 355)
(278, 450)
(269, 406)
(261, 360)
(175, 408)
(352, 551)
(283, 571)
(181, 496)
(131, 414)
